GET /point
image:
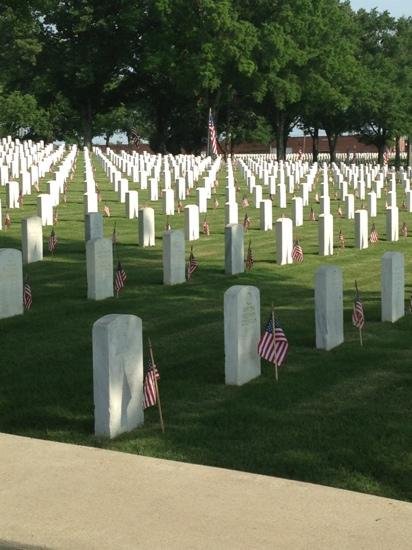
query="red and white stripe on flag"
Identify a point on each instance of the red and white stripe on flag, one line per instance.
(212, 133)
(149, 387)
(358, 316)
(267, 350)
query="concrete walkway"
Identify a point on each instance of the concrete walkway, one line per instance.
(54, 495)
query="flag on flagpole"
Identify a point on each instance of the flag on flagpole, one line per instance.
(212, 133)
(297, 252)
(374, 236)
(52, 242)
(273, 350)
(119, 278)
(27, 296)
(358, 316)
(249, 257)
(149, 386)
(192, 264)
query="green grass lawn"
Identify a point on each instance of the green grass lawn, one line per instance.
(340, 418)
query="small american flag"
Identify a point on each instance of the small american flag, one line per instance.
(216, 203)
(267, 350)
(150, 386)
(119, 278)
(312, 216)
(168, 227)
(7, 220)
(340, 213)
(245, 202)
(106, 211)
(36, 186)
(403, 205)
(386, 205)
(404, 230)
(297, 253)
(249, 257)
(192, 264)
(341, 239)
(212, 133)
(206, 228)
(246, 222)
(358, 316)
(179, 206)
(27, 297)
(374, 236)
(317, 198)
(52, 242)
(21, 199)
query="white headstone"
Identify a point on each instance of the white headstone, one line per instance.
(325, 234)
(350, 206)
(202, 200)
(257, 195)
(329, 307)
(242, 334)
(393, 286)
(174, 257)
(191, 222)
(234, 249)
(32, 239)
(266, 222)
(117, 374)
(93, 226)
(147, 231)
(45, 209)
(372, 204)
(231, 213)
(284, 241)
(169, 202)
(11, 282)
(132, 205)
(297, 211)
(392, 224)
(99, 260)
(361, 229)
(154, 189)
(12, 194)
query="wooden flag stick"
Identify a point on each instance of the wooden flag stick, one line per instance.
(159, 406)
(274, 341)
(357, 297)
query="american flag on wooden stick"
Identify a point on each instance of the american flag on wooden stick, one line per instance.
(374, 236)
(7, 220)
(150, 386)
(358, 316)
(340, 213)
(212, 133)
(245, 202)
(206, 227)
(272, 349)
(297, 252)
(52, 241)
(249, 257)
(216, 203)
(179, 206)
(341, 239)
(27, 296)
(192, 264)
(119, 278)
(246, 222)
(168, 227)
(404, 230)
(312, 216)
(106, 211)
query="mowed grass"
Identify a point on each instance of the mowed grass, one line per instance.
(340, 418)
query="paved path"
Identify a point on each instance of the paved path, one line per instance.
(54, 495)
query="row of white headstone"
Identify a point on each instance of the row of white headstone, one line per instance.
(118, 343)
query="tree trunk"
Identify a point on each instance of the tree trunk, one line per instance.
(381, 150)
(87, 122)
(398, 152)
(315, 144)
(280, 131)
(108, 136)
(332, 140)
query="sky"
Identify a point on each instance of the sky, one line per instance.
(397, 8)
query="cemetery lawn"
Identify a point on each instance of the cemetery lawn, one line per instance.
(341, 418)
